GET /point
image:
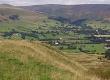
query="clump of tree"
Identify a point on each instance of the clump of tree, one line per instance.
(61, 19)
(71, 46)
(61, 48)
(14, 17)
(107, 54)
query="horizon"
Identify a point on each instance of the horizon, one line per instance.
(60, 2)
(54, 4)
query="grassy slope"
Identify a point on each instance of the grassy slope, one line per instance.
(98, 24)
(24, 60)
(95, 63)
(28, 20)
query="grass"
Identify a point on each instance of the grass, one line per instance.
(93, 64)
(37, 61)
(95, 48)
(98, 24)
(87, 48)
(17, 62)
(17, 25)
(31, 70)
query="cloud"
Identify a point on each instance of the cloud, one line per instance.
(34, 2)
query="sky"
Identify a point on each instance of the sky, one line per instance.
(39, 2)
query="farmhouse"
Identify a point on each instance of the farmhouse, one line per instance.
(107, 47)
(100, 38)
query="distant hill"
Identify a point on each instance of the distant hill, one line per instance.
(13, 17)
(9, 10)
(74, 12)
(6, 5)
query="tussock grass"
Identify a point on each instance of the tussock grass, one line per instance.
(95, 66)
(25, 60)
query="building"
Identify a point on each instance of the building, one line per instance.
(100, 38)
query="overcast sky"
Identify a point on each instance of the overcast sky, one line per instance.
(67, 2)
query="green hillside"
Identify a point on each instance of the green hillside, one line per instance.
(22, 21)
(15, 18)
(74, 12)
(24, 60)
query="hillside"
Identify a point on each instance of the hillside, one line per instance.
(6, 5)
(8, 10)
(21, 20)
(24, 60)
(74, 12)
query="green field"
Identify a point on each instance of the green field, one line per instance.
(48, 32)
(86, 48)
(99, 24)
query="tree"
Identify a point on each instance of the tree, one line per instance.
(14, 17)
(61, 48)
(107, 54)
(81, 49)
(71, 46)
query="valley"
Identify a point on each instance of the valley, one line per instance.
(54, 42)
(65, 37)
(70, 36)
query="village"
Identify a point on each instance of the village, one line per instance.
(67, 38)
